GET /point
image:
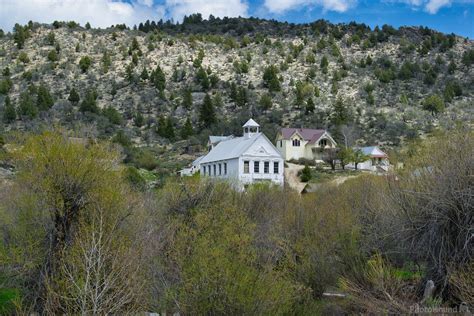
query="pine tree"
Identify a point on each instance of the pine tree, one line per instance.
(158, 78)
(161, 126)
(202, 78)
(340, 113)
(187, 99)
(309, 106)
(207, 115)
(169, 129)
(265, 101)
(187, 129)
(138, 119)
(44, 100)
(27, 107)
(270, 78)
(89, 104)
(74, 97)
(324, 64)
(106, 61)
(144, 75)
(9, 115)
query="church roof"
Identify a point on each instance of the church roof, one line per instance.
(216, 139)
(231, 148)
(251, 123)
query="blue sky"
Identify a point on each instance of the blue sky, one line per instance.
(448, 16)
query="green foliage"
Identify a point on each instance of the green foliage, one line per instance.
(207, 114)
(133, 176)
(158, 78)
(305, 174)
(106, 61)
(138, 119)
(50, 38)
(270, 78)
(89, 104)
(53, 56)
(452, 89)
(23, 57)
(27, 108)
(340, 112)
(324, 64)
(44, 100)
(202, 78)
(265, 101)
(187, 99)
(468, 57)
(74, 97)
(112, 115)
(84, 63)
(187, 129)
(20, 34)
(5, 86)
(309, 106)
(433, 103)
(9, 113)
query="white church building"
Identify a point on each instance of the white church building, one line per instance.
(248, 159)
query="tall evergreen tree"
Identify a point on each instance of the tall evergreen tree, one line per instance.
(187, 129)
(44, 100)
(89, 104)
(340, 113)
(187, 99)
(9, 115)
(207, 114)
(27, 107)
(309, 106)
(74, 97)
(169, 129)
(158, 78)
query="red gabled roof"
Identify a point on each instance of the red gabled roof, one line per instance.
(308, 134)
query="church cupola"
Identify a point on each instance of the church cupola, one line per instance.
(251, 128)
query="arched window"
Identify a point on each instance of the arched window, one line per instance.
(323, 143)
(296, 142)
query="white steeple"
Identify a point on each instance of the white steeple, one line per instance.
(250, 128)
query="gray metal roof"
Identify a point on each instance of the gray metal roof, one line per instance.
(231, 148)
(251, 123)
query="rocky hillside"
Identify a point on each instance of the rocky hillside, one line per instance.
(162, 83)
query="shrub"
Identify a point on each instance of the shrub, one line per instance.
(84, 63)
(305, 174)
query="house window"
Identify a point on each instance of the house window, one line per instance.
(256, 166)
(296, 143)
(246, 166)
(225, 167)
(214, 167)
(323, 142)
(280, 143)
(266, 167)
(209, 170)
(220, 169)
(276, 167)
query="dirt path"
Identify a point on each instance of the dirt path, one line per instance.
(291, 177)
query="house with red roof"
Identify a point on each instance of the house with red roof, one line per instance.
(296, 143)
(377, 160)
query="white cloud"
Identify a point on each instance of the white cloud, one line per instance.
(434, 5)
(103, 13)
(100, 13)
(177, 9)
(431, 6)
(281, 6)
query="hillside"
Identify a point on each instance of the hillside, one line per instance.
(375, 86)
